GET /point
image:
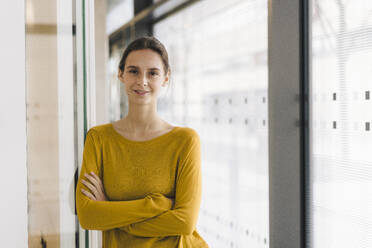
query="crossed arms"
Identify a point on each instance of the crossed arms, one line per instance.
(152, 216)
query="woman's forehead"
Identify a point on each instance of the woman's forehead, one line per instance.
(144, 58)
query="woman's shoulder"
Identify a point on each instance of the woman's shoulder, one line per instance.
(188, 132)
(99, 130)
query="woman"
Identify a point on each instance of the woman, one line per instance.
(140, 181)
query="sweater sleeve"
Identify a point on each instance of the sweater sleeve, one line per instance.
(182, 219)
(104, 215)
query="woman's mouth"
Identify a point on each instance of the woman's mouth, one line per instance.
(140, 92)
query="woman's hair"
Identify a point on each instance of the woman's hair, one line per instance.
(146, 42)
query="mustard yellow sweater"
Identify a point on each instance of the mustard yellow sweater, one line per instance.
(153, 187)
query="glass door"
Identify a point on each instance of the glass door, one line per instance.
(56, 119)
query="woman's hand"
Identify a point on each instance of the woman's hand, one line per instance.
(95, 185)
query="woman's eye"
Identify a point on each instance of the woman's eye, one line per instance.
(153, 73)
(132, 71)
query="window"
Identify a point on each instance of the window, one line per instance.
(218, 56)
(340, 190)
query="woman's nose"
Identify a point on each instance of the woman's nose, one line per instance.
(143, 80)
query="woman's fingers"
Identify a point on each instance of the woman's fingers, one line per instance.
(95, 181)
(91, 179)
(100, 184)
(101, 195)
(87, 193)
(95, 185)
(90, 186)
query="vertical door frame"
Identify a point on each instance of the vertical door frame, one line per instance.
(85, 93)
(288, 121)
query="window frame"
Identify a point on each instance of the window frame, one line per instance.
(289, 30)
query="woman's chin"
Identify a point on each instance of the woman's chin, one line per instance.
(141, 101)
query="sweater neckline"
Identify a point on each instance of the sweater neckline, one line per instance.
(156, 139)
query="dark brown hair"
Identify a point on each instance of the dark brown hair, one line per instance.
(146, 42)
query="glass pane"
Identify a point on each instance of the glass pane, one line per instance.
(218, 86)
(51, 129)
(118, 13)
(341, 163)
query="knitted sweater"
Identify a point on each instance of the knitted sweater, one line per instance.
(154, 189)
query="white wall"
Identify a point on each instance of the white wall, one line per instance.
(13, 176)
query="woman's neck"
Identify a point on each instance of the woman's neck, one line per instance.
(139, 122)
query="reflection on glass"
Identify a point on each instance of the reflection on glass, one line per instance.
(218, 55)
(341, 164)
(50, 123)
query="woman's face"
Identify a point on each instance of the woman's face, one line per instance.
(143, 76)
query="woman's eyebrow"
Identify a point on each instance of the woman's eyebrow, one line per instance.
(136, 67)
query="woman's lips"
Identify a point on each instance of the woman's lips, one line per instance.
(141, 93)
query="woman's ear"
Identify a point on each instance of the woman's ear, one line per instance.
(166, 80)
(120, 75)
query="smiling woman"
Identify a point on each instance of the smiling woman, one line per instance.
(141, 177)
(143, 72)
